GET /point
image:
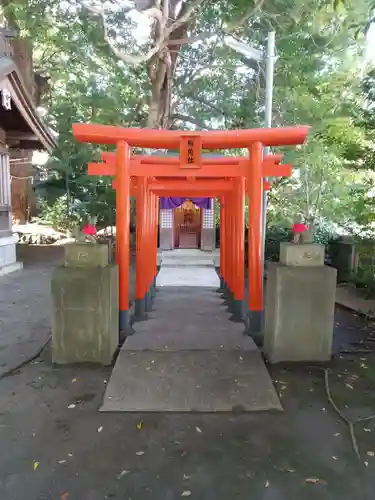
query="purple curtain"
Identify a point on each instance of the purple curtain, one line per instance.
(168, 202)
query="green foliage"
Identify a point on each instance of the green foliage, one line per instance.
(319, 80)
(274, 236)
(57, 214)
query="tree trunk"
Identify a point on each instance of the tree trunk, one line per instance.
(161, 69)
(160, 99)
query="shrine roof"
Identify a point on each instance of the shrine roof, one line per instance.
(22, 123)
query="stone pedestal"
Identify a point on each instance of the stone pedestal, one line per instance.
(8, 259)
(305, 254)
(343, 258)
(300, 306)
(166, 229)
(85, 307)
(87, 255)
(208, 234)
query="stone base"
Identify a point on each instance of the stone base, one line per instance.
(8, 259)
(208, 239)
(299, 316)
(254, 326)
(305, 254)
(166, 238)
(11, 268)
(87, 255)
(85, 314)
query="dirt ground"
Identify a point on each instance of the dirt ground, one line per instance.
(56, 445)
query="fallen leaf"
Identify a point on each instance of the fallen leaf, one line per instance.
(100, 428)
(267, 483)
(71, 406)
(312, 480)
(139, 426)
(186, 493)
(35, 465)
(370, 454)
(199, 429)
(140, 453)
(367, 430)
(123, 473)
(64, 496)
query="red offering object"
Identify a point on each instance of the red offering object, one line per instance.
(89, 230)
(299, 228)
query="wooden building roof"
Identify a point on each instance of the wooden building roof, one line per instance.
(24, 128)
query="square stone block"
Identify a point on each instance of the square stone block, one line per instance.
(299, 313)
(87, 255)
(85, 326)
(8, 260)
(307, 254)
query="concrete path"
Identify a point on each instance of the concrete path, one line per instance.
(25, 311)
(351, 298)
(191, 268)
(188, 356)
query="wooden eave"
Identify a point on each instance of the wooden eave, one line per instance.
(33, 133)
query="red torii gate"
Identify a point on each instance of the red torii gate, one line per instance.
(190, 174)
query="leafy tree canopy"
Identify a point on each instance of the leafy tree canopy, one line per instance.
(177, 72)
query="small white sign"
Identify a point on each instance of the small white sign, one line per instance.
(6, 100)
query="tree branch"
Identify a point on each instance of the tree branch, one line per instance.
(252, 10)
(189, 119)
(155, 13)
(219, 111)
(162, 40)
(186, 41)
(10, 15)
(134, 60)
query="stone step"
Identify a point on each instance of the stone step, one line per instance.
(187, 263)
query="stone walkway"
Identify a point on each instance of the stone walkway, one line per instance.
(188, 356)
(189, 268)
